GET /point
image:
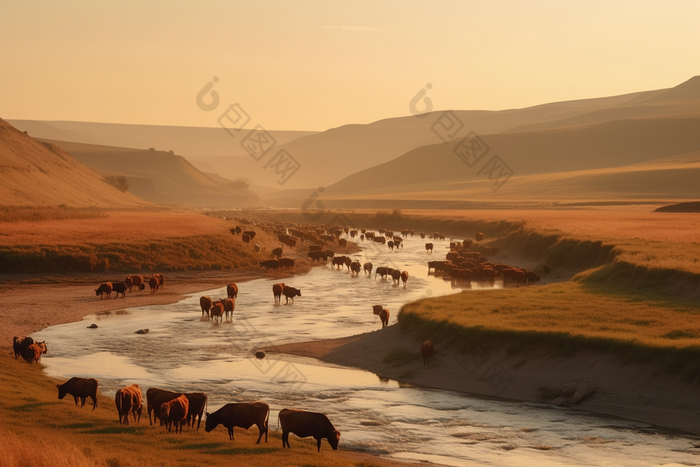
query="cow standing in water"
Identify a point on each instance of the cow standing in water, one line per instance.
(305, 424)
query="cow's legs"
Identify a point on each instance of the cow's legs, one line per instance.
(94, 402)
(318, 444)
(230, 432)
(75, 398)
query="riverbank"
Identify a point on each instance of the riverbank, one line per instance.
(639, 391)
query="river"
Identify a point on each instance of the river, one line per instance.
(374, 415)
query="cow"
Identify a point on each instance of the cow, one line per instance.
(384, 316)
(120, 288)
(217, 312)
(277, 291)
(355, 268)
(153, 284)
(396, 276)
(129, 283)
(197, 405)
(175, 411)
(380, 240)
(136, 281)
(376, 309)
(229, 306)
(270, 264)
(205, 303)
(155, 397)
(382, 271)
(427, 351)
(315, 248)
(318, 256)
(368, 268)
(277, 252)
(290, 292)
(243, 415)
(31, 353)
(404, 278)
(79, 388)
(305, 424)
(287, 263)
(245, 238)
(429, 247)
(20, 343)
(104, 289)
(390, 244)
(128, 400)
(342, 242)
(531, 276)
(338, 261)
(161, 280)
(232, 291)
(480, 236)
(250, 234)
(422, 235)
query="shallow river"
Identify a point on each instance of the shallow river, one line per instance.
(182, 352)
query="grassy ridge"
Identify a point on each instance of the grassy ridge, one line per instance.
(40, 430)
(38, 214)
(562, 318)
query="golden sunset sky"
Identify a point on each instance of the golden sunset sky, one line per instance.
(315, 65)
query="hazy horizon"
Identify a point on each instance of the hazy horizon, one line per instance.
(315, 65)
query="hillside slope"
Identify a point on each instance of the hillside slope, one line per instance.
(36, 174)
(159, 176)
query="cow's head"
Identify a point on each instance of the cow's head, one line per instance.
(98, 292)
(209, 423)
(61, 391)
(164, 411)
(376, 309)
(334, 439)
(298, 293)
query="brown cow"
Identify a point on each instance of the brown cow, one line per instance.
(480, 236)
(277, 252)
(79, 388)
(104, 289)
(136, 281)
(355, 268)
(229, 305)
(404, 278)
(429, 247)
(161, 280)
(243, 414)
(232, 291)
(175, 411)
(198, 403)
(128, 400)
(427, 351)
(368, 268)
(277, 291)
(384, 316)
(305, 424)
(245, 238)
(287, 263)
(32, 353)
(290, 292)
(153, 284)
(217, 312)
(155, 397)
(205, 303)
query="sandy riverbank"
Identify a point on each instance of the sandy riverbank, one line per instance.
(643, 392)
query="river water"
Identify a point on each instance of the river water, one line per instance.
(182, 352)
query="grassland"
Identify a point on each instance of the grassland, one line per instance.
(40, 430)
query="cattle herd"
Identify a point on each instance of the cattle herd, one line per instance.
(176, 409)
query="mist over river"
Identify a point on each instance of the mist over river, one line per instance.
(384, 417)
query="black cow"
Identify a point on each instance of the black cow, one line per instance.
(120, 288)
(243, 415)
(79, 388)
(305, 424)
(290, 292)
(104, 289)
(270, 264)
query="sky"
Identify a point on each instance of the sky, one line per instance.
(314, 65)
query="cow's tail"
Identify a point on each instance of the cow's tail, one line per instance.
(278, 420)
(118, 401)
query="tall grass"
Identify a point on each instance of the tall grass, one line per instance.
(54, 213)
(43, 452)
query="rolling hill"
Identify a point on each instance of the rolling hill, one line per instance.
(159, 176)
(42, 174)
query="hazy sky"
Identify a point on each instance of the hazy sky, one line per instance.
(316, 65)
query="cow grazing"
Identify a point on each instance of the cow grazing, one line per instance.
(277, 291)
(382, 271)
(175, 411)
(79, 388)
(104, 289)
(155, 397)
(31, 353)
(404, 278)
(243, 415)
(368, 268)
(205, 303)
(287, 263)
(277, 252)
(245, 238)
(338, 261)
(217, 312)
(290, 292)
(427, 351)
(250, 234)
(270, 264)
(318, 256)
(153, 284)
(232, 291)
(384, 316)
(305, 424)
(429, 247)
(120, 288)
(129, 400)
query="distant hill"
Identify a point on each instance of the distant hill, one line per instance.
(41, 174)
(159, 176)
(691, 206)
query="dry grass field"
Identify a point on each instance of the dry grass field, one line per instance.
(40, 430)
